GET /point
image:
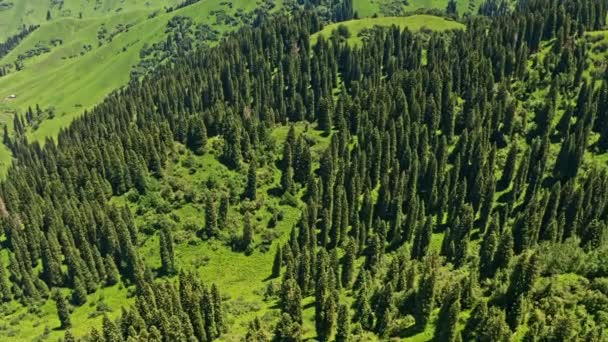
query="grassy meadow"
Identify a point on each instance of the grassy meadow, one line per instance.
(414, 23)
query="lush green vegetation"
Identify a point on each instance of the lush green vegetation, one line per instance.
(284, 184)
(369, 8)
(358, 27)
(87, 58)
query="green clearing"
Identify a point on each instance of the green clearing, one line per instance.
(369, 8)
(415, 23)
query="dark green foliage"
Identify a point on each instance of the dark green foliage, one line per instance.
(167, 256)
(343, 329)
(447, 322)
(425, 297)
(348, 263)
(112, 275)
(247, 238)
(288, 330)
(325, 115)
(69, 337)
(197, 135)
(79, 295)
(251, 187)
(291, 300)
(451, 146)
(256, 332)
(5, 291)
(63, 310)
(211, 225)
(278, 263)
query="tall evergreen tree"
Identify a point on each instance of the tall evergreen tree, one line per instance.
(251, 187)
(63, 310)
(167, 256)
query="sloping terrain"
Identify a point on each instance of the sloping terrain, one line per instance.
(75, 62)
(415, 22)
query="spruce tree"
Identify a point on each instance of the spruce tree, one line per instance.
(288, 330)
(218, 308)
(247, 238)
(112, 275)
(256, 332)
(425, 297)
(291, 300)
(63, 310)
(343, 329)
(348, 263)
(69, 337)
(325, 116)
(110, 330)
(447, 323)
(79, 295)
(287, 180)
(250, 188)
(211, 227)
(167, 255)
(278, 262)
(5, 290)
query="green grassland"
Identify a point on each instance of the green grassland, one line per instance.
(413, 23)
(29, 12)
(368, 8)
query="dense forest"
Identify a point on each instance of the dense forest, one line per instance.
(462, 190)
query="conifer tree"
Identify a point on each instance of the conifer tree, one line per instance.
(5, 290)
(112, 275)
(504, 251)
(63, 310)
(79, 295)
(509, 168)
(220, 322)
(197, 136)
(363, 310)
(287, 181)
(348, 263)
(211, 227)
(247, 239)
(250, 188)
(343, 329)
(256, 332)
(425, 297)
(325, 115)
(167, 256)
(288, 330)
(291, 300)
(278, 262)
(209, 315)
(447, 323)
(110, 330)
(69, 337)
(385, 310)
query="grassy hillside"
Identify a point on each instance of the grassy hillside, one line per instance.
(414, 23)
(368, 8)
(28, 12)
(78, 73)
